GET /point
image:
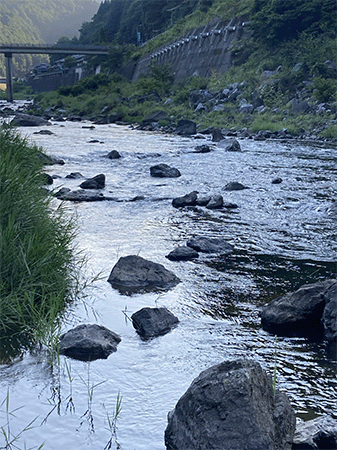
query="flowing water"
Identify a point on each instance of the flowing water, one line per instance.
(283, 234)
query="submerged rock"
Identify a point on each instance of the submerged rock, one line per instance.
(210, 245)
(231, 406)
(134, 273)
(182, 253)
(151, 322)
(80, 195)
(89, 342)
(114, 154)
(230, 145)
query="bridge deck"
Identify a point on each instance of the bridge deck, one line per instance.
(57, 48)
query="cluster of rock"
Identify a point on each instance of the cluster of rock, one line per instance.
(200, 244)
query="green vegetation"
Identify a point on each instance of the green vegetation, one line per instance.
(37, 267)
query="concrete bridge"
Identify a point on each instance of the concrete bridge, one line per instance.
(10, 49)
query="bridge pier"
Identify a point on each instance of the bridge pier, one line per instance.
(9, 76)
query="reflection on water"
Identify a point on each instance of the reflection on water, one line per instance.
(283, 238)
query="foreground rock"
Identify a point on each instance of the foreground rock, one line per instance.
(231, 406)
(210, 245)
(311, 310)
(182, 253)
(27, 120)
(89, 342)
(134, 273)
(151, 322)
(164, 171)
(319, 433)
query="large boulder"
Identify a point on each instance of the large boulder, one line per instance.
(28, 120)
(210, 245)
(134, 273)
(164, 171)
(316, 434)
(302, 312)
(151, 322)
(155, 117)
(231, 406)
(89, 342)
(97, 182)
(215, 202)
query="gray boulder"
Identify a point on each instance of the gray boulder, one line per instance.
(186, 127)
(151, 322)
(134, 273)
(202, 148)
(97, 182)
(301, 312)
(164, 171)
(319, 433)
(230, 145)
(215, 202)
(186, 200)
(209, 245)
(217, 135)
(80, 195)
(74, 176)
(27, 120)
(182, 253)
(89, 342)
(114, 154)
(234, 186)
(231, 406)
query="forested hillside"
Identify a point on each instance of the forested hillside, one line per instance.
(40, 21)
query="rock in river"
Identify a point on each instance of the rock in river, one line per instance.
(97, 182)
(89, 342)
(182, 253)
(210, 245)
(164, 171)
(308, 311)
(231, 406)
(150, 322)
(134, 273)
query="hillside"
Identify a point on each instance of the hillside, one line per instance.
(40, 21)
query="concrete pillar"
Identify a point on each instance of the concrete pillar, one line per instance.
(9, 76)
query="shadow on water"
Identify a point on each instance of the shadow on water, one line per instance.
(267, 277)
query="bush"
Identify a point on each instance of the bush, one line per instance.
(324, 89)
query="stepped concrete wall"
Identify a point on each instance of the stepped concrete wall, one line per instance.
(199, 52)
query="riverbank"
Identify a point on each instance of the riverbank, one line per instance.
(38, 275)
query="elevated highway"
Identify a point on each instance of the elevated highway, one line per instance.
(9, 49)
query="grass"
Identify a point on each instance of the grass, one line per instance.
(38, 273)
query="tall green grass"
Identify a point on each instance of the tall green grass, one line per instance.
(37, 265)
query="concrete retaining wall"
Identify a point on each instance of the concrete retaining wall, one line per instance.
(200, 52)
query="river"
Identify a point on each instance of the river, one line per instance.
(283, 237)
